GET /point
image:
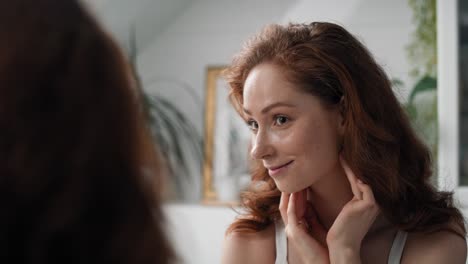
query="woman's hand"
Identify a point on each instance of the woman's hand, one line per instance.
(303, 229)
(348, 230)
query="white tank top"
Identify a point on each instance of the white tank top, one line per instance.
(282, 245)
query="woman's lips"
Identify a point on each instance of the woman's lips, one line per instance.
(276, 170)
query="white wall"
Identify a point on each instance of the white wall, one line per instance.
(197, 231)
(147, 17)
(384, 27)
(209, 32)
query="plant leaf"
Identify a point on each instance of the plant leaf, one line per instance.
(426, 83)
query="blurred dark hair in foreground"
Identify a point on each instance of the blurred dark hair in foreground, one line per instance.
(73, 144)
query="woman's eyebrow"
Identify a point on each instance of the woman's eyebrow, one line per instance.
(270, 107)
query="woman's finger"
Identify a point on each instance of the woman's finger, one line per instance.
(351, 178)
(291, 212)
(366, 191)
(283, 207)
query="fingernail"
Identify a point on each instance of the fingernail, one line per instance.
(359, 181)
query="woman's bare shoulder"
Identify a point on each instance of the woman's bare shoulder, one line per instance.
(250, 248)
(437, 247)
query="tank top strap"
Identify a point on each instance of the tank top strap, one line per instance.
(281, 243)
(397, 247)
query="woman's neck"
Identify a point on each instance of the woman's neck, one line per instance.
(329, 195)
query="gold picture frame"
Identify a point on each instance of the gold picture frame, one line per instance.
(212, 73)
(225, 164)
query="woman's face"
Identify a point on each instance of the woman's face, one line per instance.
(293, 134)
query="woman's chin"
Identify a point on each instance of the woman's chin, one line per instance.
(288, 188)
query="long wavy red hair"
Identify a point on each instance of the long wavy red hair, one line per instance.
(379, 143)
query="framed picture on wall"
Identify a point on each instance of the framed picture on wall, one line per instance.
(225, 168)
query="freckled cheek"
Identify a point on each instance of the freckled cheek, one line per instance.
(296, 142)
(279, 139)
(282, 142)
(314, 143)
(314, 147)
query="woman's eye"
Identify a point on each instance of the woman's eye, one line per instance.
(281, 120)
(252, 125)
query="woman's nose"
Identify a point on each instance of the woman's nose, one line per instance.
(261, 147)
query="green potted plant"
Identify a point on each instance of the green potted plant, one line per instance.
(422, 55)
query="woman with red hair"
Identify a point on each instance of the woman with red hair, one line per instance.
(339, 176)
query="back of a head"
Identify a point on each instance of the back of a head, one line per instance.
(73, 144)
